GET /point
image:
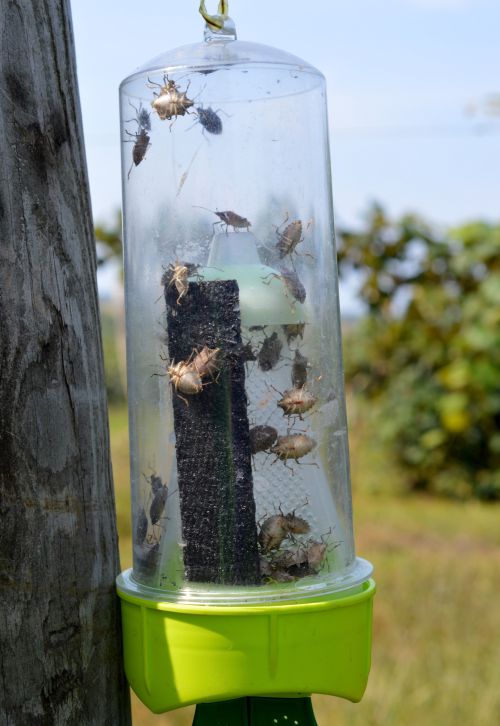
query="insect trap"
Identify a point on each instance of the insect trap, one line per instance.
(245, 579)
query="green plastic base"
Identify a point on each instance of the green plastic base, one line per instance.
(256, 712)
(177, 655)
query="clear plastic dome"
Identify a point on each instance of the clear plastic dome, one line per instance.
(239, 452)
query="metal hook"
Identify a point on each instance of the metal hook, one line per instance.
(215, 21)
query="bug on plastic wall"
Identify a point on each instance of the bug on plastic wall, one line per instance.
(293, 331)
(293, 446)
(210, 120)
(299, 370)
(262, 438)
(169, 101)
(158, 504)
(185, 379)
(142, 117)
(278, 527)
(289, 238)
(291, 282)
(141, 141)
(230, 219)
(269, 354)
(296, 401)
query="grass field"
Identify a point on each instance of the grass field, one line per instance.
(436, 651)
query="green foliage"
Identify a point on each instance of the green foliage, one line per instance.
(113, 365)
(428, 353)
(109, 240)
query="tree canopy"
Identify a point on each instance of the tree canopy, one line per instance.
(428, 351)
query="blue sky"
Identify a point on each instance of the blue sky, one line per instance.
(408, 83)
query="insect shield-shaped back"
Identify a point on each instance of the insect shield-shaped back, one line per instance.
(278, 527)
(158, 504)
(270, 352)
(296, 401)
(293, 285)
(297, 525)
(299, 370)
(209, 119)
(169, 101)
(262, 438)
(228, 218)
(272, 532)
(289, 238)
(293, 331)
(293, 446)
(185, 378)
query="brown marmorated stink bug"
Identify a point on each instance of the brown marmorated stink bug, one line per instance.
(296, 401)
(142, 117)
(185, 379)
(141, 145)
(158, 504)
(293, 446)
(230, 219)
(289, 238)
(210, 120)
(291, 282)
(299, 370)
(293, 330)
(270, 352)
(262, 438)
(169, 101)
(278, 527)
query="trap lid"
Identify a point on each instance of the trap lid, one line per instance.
(220, 52)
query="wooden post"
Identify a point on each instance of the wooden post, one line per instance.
(60, 654)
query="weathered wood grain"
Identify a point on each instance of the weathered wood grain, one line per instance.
(60, 654)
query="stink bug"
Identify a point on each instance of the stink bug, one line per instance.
(272, 532)
(294, 330)
(270, 352)
(276, 528)
(169, 101)
(296, 401)
(230, 219)
(141, 145)
(289, 238)
(209, 119)
(299, 370)
(262, 438)
(185, 378)
(293, 446)
(291, 281)
(158, 504)
(142, 117)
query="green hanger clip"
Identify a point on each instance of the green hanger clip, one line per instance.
(216, 22)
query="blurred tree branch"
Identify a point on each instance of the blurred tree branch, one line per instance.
(428, 352)
(110, 237)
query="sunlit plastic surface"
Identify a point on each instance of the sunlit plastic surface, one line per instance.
(239, 452)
